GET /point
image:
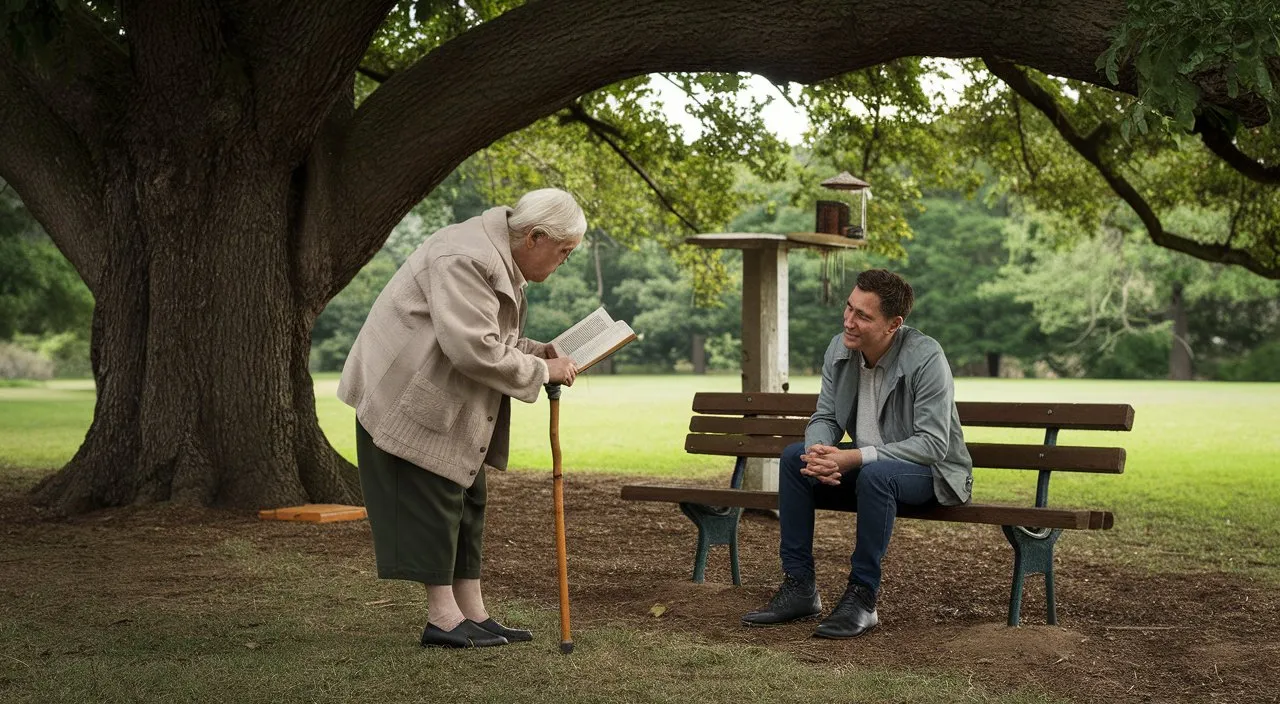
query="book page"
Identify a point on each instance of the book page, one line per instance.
(582, 333)
(615, 336)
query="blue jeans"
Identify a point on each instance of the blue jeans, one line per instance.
(875, 490)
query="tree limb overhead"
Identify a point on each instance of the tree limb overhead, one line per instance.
(1090, 147)
(534, 60)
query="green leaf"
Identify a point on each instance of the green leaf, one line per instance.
(1264, 78)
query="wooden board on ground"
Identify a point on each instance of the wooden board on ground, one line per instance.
(314, 513)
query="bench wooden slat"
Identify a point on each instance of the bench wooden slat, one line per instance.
(1107, 460)
(737, 445)
(1077, 519)
(730, 425)
(1074, 416)
(1062, 458)
(755, 403)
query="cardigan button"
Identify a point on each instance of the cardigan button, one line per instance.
(483, 449)
(490, 419)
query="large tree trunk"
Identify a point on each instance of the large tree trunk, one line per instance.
(1180, 351)
(200, 350)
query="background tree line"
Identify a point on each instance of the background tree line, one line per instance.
(994, 283)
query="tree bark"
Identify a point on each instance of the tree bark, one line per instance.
(699, 354)
(1180, 351)
(200, 350)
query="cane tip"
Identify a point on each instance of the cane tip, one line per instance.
(566, 647)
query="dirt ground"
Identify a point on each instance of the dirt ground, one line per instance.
(1123, 635)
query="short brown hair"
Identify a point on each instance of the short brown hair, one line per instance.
(896, 296)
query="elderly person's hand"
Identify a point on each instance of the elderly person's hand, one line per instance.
(562, 370)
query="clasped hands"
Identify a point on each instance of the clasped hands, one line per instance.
(827, 463)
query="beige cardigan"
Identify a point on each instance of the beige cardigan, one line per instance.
(441, 351)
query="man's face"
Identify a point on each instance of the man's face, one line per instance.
(541, 255)
(865, 325)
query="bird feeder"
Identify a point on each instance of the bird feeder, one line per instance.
(833, 215)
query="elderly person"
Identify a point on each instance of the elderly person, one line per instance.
(431, 377)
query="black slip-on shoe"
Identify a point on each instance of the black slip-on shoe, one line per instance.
(513, 635)
(467, 634)
(853, 616)
(795, 599)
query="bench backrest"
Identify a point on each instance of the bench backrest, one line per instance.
(763, 424)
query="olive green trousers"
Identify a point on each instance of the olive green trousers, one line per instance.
(426, 528)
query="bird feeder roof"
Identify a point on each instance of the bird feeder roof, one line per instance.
(845, 181)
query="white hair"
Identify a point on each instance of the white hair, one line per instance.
(548, 211)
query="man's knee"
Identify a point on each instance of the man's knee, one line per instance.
(790, 460)
(874, 476)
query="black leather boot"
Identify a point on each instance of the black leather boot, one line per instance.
(853, 616)
(795, 599)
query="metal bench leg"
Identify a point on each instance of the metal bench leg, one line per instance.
(733, 560)
(1032, 553)
(716, 526)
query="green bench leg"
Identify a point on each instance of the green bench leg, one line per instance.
(717, 525)
(1032, 553)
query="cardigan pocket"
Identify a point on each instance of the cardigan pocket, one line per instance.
(428, 405)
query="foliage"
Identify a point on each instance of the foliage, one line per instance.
(1259, 364)
(1163, 172)
(40, 292)
(880, 124)
(1172, 43)
(335, 330)
(959, 246)
(19, 362)
(636, 176)
(1090, 296)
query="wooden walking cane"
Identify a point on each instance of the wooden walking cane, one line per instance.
(562, 552)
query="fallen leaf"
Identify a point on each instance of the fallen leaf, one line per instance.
(658, 610)
(251, 645)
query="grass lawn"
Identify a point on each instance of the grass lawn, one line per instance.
(1201, 489)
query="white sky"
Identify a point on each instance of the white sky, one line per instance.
(783, 120)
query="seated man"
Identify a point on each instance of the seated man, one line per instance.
(890, 387)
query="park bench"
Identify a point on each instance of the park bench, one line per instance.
(744, 425)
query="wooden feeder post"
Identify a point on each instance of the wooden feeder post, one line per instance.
(765, 361)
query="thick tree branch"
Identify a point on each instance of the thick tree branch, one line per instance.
(373, 74)
(51, 170)
(534, 60)
(1032, 171)
(1090, 147)
(1221, 144)
(86, 79)
(177, 48)
(304, 52)
(603, 131)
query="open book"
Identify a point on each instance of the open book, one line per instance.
(593, 338)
